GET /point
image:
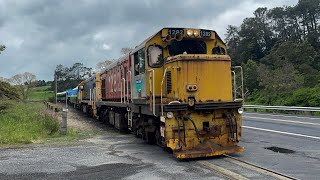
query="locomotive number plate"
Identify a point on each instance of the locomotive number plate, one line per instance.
(205, 33)
(174, 31)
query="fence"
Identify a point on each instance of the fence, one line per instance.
(283, 108)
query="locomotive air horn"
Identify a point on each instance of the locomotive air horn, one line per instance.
(168, 38)
(179, 37)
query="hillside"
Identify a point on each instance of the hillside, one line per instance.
(279, 49)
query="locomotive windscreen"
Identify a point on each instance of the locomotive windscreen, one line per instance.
(188, 46)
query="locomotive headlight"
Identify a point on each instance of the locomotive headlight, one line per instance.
(191, 101)
(196, 33)
(240, 110)
(169, 115)
(189, 32)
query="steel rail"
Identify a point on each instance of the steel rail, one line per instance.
(260, 167)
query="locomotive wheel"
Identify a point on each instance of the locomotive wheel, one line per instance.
(158, 138)
(84, 108)
(103, 117)
(150, 137)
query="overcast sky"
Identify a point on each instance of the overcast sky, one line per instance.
(40, 34)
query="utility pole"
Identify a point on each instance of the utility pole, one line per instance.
(56, 86)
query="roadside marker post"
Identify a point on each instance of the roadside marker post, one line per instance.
(63, 124)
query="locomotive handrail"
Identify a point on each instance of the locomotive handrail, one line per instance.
(153, 93)
(129, 72)
(90, 96)
(164, 75)
(241, 71)
(124, 91)
(285, 108)
(234, 85)
(174, 102)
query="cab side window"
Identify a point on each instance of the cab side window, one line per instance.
(155, 56)
(139, 62)
(142, 59)
(136, 63)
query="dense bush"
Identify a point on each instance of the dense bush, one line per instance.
(8, 92)
(304, 97)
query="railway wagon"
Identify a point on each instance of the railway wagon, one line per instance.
(72, 96)
(61, 96)
(175, 89)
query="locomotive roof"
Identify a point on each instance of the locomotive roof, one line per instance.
(114, 63)
(123, 58)
(145, 41)
(90, 78)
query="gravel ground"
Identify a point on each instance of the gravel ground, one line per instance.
(108, 155)
(82, 122)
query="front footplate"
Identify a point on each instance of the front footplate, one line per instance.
(207, 149)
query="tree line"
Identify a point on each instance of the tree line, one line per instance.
(2, 48)
(70, 77)
(279, 49)
(22, 85)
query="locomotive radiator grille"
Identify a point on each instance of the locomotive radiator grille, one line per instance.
(169, 82)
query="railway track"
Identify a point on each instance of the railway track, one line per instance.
(234, 168)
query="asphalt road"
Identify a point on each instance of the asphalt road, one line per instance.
(298, 136)
(108, 156)
(122, 156)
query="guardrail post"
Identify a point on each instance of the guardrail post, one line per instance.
(63, 124)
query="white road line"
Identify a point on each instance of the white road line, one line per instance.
(282, 132)
(276, 115)
(282, 120)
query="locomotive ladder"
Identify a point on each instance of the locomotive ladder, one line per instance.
(129, 118)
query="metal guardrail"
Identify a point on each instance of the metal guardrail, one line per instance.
(284, 108)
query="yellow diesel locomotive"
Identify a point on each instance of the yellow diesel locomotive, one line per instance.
(175, 89)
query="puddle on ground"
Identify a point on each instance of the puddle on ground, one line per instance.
(280, 150)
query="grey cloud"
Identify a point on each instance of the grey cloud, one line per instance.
(43, 33)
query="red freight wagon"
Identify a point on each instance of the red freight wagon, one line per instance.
(116, 80)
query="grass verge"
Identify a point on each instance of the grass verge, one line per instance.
(23, 123)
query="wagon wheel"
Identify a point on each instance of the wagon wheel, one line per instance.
(158, 138)
(150, 137)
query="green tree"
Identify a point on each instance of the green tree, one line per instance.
(70, 77)
(24, 83)
(250, 70)
(308, 12)
(279, 50)
(232, 40)
(302, 56)
(252, 40)
(279, 81)
(2, 48)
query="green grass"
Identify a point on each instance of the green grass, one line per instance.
(23, 123)
(41, 93)
(41, 88)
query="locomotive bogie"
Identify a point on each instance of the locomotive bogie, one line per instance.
(198, 134)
